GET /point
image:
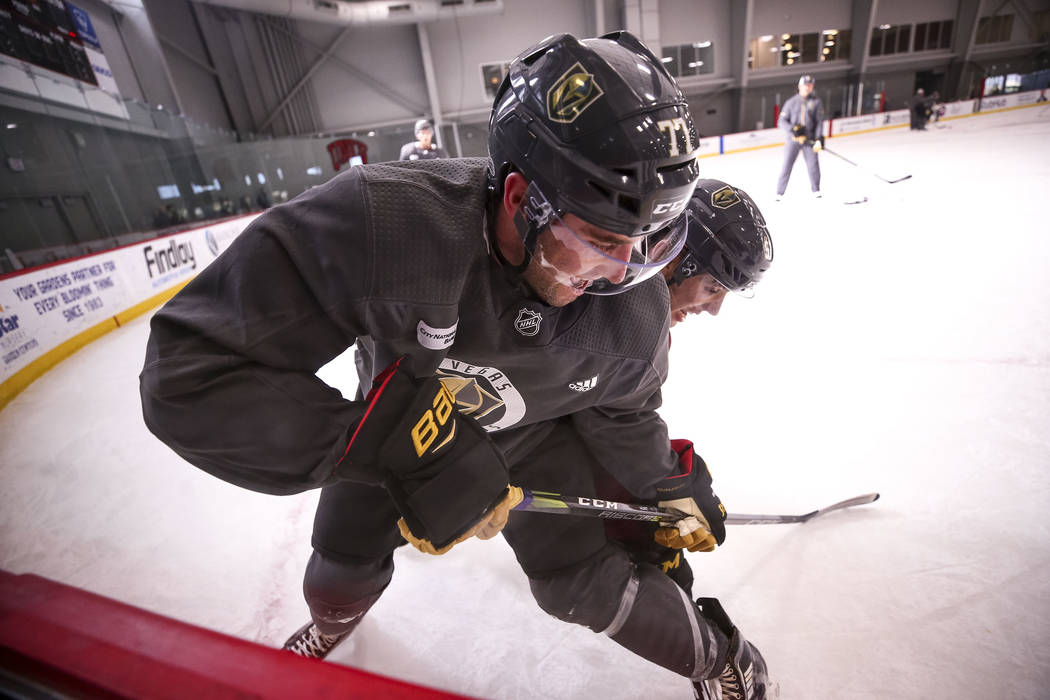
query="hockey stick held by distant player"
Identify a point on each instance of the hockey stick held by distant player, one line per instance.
(839, 155)
(545, 502)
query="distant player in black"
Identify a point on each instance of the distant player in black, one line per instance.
(919, 110)
(423, 148)
(512, 326)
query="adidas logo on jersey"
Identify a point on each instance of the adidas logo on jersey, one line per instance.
(585, 385)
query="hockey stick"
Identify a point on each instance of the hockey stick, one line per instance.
(747, 519)
(544, 502)
(839, 155)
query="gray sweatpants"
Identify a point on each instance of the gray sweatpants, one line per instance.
(791, 149)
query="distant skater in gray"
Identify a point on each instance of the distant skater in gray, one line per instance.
(803, 119)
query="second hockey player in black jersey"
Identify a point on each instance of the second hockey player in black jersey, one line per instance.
(511, 323)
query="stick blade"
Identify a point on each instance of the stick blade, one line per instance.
(748, 519)
(848, 503)
(900, 179)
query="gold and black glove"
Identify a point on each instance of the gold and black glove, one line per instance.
(447, 478)
(702, 526)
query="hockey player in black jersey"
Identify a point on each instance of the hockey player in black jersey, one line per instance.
(728, 249)
(511, 322)
(424, 147)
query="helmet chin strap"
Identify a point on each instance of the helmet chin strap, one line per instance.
(529, 233)
(533, 216)
(525, 227)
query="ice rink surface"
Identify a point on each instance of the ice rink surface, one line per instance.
(901, 346)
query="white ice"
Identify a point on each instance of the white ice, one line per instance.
(899, 346)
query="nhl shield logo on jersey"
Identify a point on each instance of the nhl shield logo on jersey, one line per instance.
(724, 198)
(484, 393)
(528, 322)
(574, 92)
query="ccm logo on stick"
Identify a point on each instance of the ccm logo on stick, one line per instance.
(597, 503)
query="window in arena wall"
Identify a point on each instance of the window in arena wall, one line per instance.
(801, 48)
(835, 44)
(791, 49)
(1039, 29)
(887, 39)
(696, 58)
(810, 48)
(991, 30)
(764, 52)
(930, 36)
(491, 76)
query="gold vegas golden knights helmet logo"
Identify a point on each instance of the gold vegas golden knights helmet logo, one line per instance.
(574, 92)
(724, 198)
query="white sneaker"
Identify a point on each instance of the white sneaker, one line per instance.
(817, 195)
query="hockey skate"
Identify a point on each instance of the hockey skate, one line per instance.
(312, 643)
(744, 676)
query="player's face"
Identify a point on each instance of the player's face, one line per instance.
(563, 266)
(694, 296)
(425, 136)
(805, 89)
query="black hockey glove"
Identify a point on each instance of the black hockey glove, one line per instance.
(798, 130)
(702, 526)
(447, 478)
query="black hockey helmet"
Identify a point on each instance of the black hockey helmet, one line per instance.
(601, 127)
(423, 124)
(728, 238)
(602, 131)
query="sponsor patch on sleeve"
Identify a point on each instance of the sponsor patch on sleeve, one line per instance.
(435, 338)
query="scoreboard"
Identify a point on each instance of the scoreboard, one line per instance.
(47, 33)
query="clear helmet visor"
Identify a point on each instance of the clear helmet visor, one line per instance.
(591, 260)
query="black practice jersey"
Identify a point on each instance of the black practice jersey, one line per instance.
(394, 256)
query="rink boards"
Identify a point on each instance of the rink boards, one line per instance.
(74, 643)
(48, 312)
